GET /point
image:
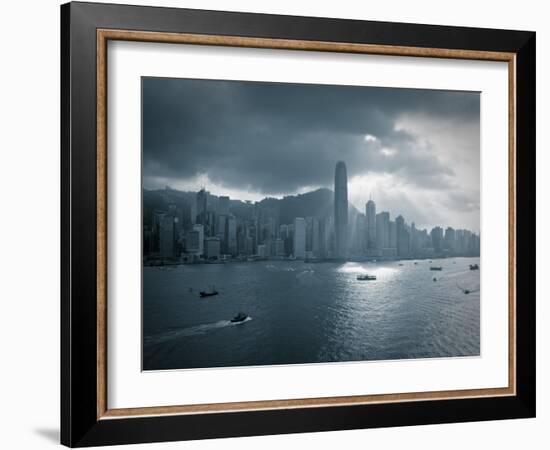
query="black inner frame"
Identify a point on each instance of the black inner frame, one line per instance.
(79, 423)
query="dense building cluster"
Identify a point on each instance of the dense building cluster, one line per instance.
(207, 228)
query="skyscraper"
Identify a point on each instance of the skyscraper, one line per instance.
(167, 236)
(327, 240)
(360, 235)
(299, 238)
(194, 241)
(231, 234)
(370, 210)
(340, 210)
(383, 230)
(414, 239)
(223, 205)
(450, 239)
(437, 238)
(221, 232)
(316, 238)
(393, 234)
(212, 248)
(403, 236)
(201, 206)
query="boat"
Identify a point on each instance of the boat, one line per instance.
(436, 268)
(474, 266)
(366, 277)
(401, 264)
(210, 293)
(239, 318)
(466, 290)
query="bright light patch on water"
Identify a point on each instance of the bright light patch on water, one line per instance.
(352, 268)
(384, 272)
(362, 269)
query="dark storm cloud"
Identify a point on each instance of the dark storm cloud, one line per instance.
(277, 138)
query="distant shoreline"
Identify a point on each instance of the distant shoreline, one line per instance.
(163, 263)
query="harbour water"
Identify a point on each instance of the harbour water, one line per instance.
(303, 312)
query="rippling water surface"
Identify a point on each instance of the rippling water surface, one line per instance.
(308, 313)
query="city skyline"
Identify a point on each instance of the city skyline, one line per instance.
(415, 151)
(206, 228)
(358, 208)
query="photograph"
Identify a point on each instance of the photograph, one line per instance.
(287, 223)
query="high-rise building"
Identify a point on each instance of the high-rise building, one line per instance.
(360, 236)
(245, 242)
(221, 226)
(201, 206)
(249, 245)
(340, 210)
(194, 240)
(176, 212)
(425, 240)
(393, 234)
(414, 239)
(155, 230)
(299, 238)
(209, 223)
(167, 236)
(437, 238)
(309, 234)
(383, 230)
(223, 205)
(279, 247)
(212, 248)
(193, 212)
(284, 234)
(316, 237)
(370, 210)
(262, 251)
(450, 239)
(327, 237)
(402, 236)
(231, 234)
(289, 242)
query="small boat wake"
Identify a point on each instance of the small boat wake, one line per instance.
(175, 333)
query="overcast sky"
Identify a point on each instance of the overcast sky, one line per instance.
(416, 152)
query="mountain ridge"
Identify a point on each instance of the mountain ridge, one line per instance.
(316, 203)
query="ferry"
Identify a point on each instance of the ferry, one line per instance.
(210, 293)
(239, 318)
(466, 290)
(366, 277)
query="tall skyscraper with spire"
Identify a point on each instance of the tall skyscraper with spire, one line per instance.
(340, 210)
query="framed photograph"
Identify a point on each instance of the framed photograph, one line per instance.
(276, 224)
